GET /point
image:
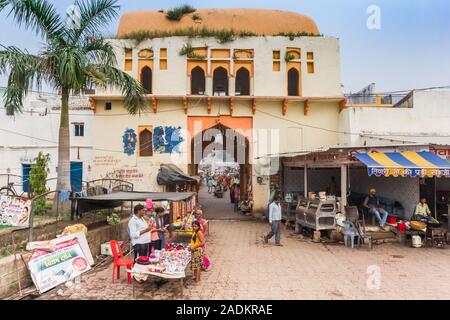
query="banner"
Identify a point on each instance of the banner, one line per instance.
(50, 269)
(14, 211)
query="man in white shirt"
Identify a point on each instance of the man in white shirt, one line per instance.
(139, 231)
(275, 222)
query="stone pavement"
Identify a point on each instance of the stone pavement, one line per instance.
(246, 268)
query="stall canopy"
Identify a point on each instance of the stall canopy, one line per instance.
(113, 200)
(405, 164)
(171, 174)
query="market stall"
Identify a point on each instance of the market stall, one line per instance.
(169, 263)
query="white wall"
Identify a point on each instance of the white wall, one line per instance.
(31, 132)
(429, 117)
(326, 81)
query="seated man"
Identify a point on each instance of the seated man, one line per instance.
(373, 204)
(422, 208)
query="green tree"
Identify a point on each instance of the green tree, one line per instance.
(38, 178)
(74, 57)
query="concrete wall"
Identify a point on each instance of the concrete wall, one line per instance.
(33, 131)
(325, 81)
(429, 118)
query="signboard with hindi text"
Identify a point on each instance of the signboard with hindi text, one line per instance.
(14, 211)
(50, 269)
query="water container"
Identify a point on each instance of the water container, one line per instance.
(416, 241)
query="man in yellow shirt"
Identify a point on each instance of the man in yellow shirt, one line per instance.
(422, 208)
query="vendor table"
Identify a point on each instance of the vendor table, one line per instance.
(139, 269)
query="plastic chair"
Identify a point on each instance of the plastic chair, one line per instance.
(119, 260)
(350, 232)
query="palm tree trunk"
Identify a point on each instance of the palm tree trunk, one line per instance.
(63, 180)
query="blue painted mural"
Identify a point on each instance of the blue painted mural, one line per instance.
(167, 139)
(129, 142)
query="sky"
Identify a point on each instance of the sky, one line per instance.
(409, 50)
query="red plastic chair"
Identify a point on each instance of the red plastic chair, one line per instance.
(119, 261)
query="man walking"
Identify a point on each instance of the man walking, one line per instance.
(275, 222)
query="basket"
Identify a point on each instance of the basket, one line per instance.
(417, 225)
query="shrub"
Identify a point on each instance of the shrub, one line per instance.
(176, 14)
(188, 50)
(196, 17)
(38, 177)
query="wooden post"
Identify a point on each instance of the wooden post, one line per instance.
(343, 187)
(305, 180)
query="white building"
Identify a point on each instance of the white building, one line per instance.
(36, 130)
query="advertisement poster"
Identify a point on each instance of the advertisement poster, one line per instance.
(14, 211)
(50, 269)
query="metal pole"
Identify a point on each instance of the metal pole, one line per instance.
(305, 180)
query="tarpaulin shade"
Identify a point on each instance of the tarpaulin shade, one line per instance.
(405, 164)
(171, 174)
(114, 200)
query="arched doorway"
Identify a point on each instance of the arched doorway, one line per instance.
(146, 79)
(232, 145)
(197, 81)
(242, 82)
(293, 82)
(220, 82)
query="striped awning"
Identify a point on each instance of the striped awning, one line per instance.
(405, 164)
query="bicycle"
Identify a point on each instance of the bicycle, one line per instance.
(10, 190)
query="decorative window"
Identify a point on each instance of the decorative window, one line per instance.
(276, 60)
(220, 82)
(293, 82)
(146, 79)
(79, 129)
(108, 106)
(163, 59)
(128, 59)
(310, 62)
(145, 142)
(197, 81)
(242, 82)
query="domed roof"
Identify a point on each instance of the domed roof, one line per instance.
(258, 21)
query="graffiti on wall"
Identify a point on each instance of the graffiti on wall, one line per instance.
(167, 139)
(129, 142)
(105, 161)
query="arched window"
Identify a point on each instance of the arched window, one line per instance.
(242, 82)
(145, 143)
(146, 79)
(293, 82)
(197, 81)
(220, 82)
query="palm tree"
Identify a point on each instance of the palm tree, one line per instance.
(74, 57)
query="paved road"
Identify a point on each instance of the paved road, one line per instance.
(245, 268)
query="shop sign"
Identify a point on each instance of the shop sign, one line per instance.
(444, 153)
(50, 269)
(14, 211)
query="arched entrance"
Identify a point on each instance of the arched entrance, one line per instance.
(230, 142)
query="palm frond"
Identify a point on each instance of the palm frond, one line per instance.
(38, 15)
(100, 51)
(24, 71)
(95, 15)
(107, 76)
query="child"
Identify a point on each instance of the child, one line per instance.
(197, 241)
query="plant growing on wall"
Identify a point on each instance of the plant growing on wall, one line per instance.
(176, 14)
(188, 51)
(288, 56)
(222, 36)
(293, 35)
(38, 178)
(196, 17)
